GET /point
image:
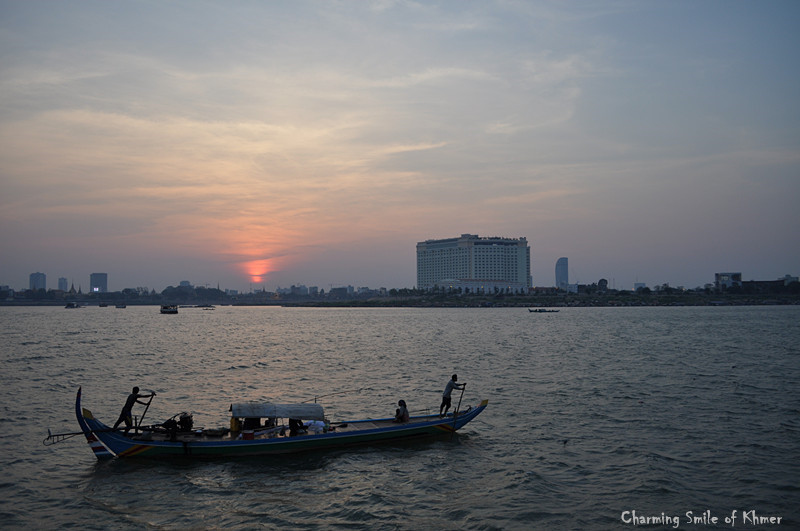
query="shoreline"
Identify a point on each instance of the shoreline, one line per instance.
(619, 299)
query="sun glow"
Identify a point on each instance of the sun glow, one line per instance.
(258, 269)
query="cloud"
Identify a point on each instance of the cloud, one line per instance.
(260, 137)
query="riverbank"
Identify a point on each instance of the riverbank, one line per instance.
(614, 299)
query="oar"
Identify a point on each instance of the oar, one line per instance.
(152, 394)
(458, 407)
(455, 412)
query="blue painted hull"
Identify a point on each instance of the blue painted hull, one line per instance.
(112, 443)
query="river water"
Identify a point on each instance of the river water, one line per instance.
(598, 418)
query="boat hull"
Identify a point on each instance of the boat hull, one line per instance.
(109, 443)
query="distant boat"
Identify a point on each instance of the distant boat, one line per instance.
(169, 308)
(72, 305)
(541, 310)
(120, 306)
(103, 305)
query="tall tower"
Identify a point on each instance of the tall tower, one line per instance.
(98, 282)
(562, 273)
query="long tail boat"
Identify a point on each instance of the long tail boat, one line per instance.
(259, 429)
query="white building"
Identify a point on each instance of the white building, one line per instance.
(727, 280)
(475, 263)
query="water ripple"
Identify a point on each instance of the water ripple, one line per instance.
(592, 413)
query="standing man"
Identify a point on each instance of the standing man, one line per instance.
(446, 395)
(127, 411)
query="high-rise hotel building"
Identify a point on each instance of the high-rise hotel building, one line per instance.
(475, 263)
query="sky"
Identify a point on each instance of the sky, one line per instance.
(260, 144)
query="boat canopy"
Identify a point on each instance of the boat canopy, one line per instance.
(278, 411)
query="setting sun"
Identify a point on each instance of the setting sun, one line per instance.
(258, 269)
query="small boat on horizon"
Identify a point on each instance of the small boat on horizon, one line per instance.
(169, 308)
(257, 429)
(541, 310)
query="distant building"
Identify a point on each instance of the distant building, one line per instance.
(562, 273)
(300, 290)
(98, 283)
(763, 286)
(38, 281)
(639, 285)
(63, 285)
(573, 288)
(723, 281)
(768, 286)
(339, 293)
(184, 284)
(471, 261)
(543, 290)
(6, 293)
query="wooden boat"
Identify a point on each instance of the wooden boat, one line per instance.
(541, 310)
(252, 437)
(169, 308)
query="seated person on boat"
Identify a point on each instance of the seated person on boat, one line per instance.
(401, 413)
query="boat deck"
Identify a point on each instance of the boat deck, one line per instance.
(220, 434)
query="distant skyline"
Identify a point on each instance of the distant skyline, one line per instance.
(247, 144)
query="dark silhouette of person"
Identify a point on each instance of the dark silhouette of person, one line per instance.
(401, 413)
(127, 410)
(296, 427)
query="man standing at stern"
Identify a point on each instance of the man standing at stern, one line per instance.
(446, 395)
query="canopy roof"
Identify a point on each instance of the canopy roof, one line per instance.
(280, 411)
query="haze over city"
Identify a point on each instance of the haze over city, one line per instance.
(250, 144)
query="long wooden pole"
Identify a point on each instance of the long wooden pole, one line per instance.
(455, 412)
(138, 424)
(458, 407)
